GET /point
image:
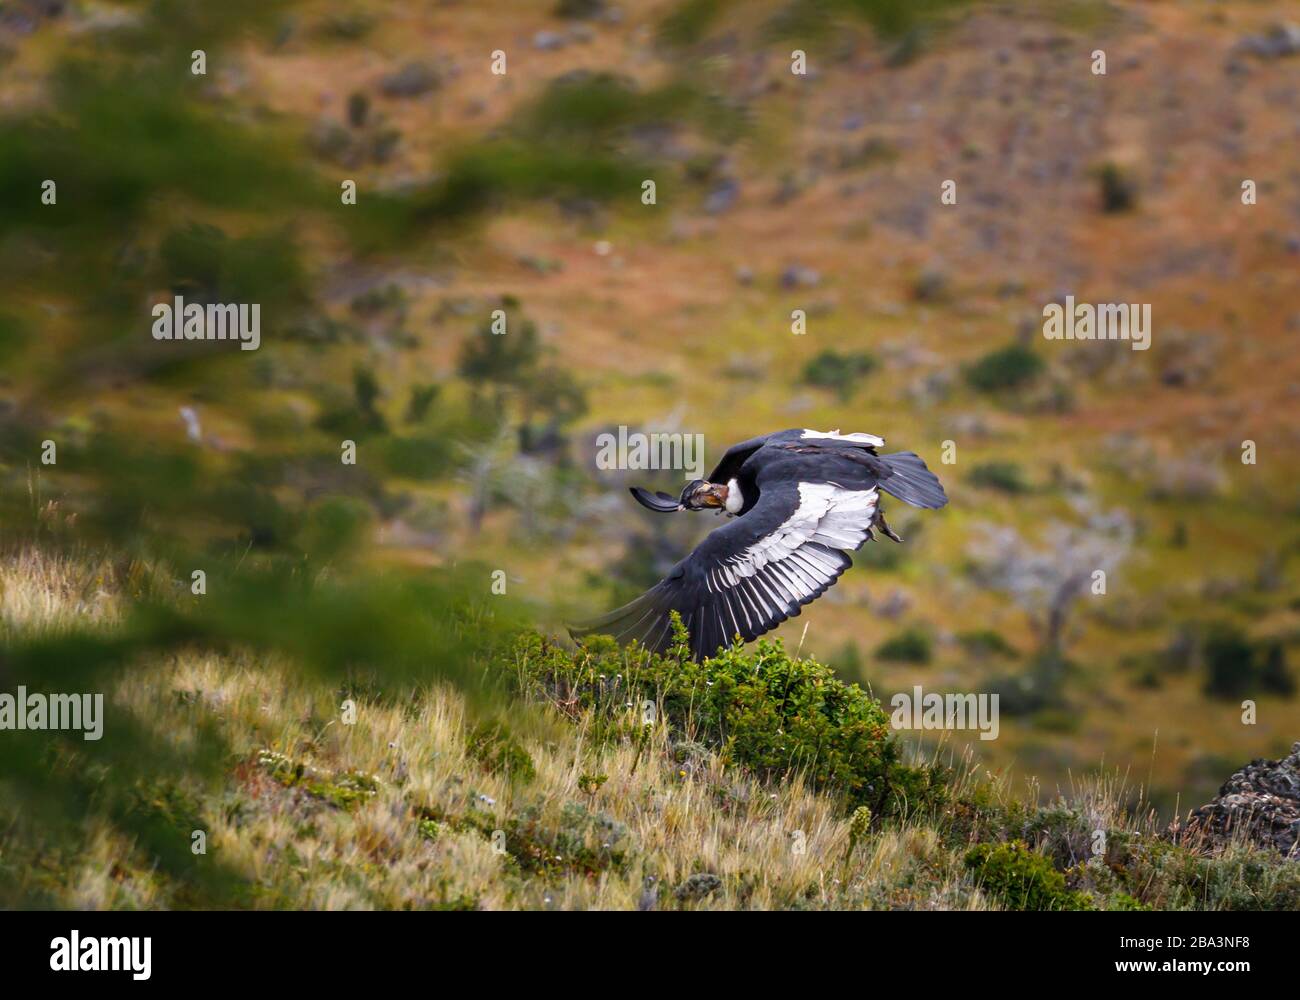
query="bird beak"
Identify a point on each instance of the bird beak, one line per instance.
(661, 503)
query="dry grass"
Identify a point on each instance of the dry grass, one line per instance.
(769, 845)
(395, 811)
(40, 592)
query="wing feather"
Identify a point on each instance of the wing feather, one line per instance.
(753, 573)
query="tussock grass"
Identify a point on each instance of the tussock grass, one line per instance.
(405, 809)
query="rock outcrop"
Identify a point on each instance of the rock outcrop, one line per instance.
(1260, 802)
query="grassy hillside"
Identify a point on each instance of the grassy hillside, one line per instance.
(676, 316)
(522, 194)
(563, 797)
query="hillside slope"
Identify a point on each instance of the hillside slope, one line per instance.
(568, 800)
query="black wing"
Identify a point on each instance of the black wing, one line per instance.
(903, 473)
(752, 573)
(735, 457)
(738, 453)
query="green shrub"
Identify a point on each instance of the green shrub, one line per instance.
(1005, 477)
(847, 662)
(1274, 674)
(346, 789)
(841, 372)
(1238, 877)
(761, 709)
(423, 396)
(1022, 879)
(930, 286)
(416, 456)
(910, 646)
(579, 9)
(492, 745)
(1123, 901)
(1229, 662)
(1235, 666)
(487, 357)
(986, 642)
(1007, 368)
(687, 22)
(1118, 188)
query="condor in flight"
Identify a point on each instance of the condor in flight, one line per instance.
(800, 501)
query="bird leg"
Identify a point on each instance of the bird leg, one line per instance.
(878, 521)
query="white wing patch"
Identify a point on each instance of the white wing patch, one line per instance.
(835, 435)
(768, 581)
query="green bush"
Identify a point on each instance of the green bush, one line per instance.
(579, 9)
(1235, 666)
(841, 372)
(1007, 368)
(487, 357)
(1274, 674)
(1118, 188)
(493, 746)
(761, 709)
(687, 22)
(1005, 477)
(910, 646)
(986, 642)
(1229, 662)
(1022, 879)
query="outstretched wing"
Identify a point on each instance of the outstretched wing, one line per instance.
(754, 572)
(735, 456)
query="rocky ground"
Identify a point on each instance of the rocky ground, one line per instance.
(1260, 802)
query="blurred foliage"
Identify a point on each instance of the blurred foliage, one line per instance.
(689, 20)
(1005, 477)
(912, 645)
(505, 358)
(842, 372)
(1237, 667)
(1118, 188)
(1006, 369)
(165, 188)
(986, 642)
(890, 19)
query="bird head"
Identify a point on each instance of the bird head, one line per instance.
(700, 494)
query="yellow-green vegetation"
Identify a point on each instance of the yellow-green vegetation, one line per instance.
(739, 791)
(519, 198)
(761, 709)
(1022, 878)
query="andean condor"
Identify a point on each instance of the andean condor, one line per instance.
(799, 502)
